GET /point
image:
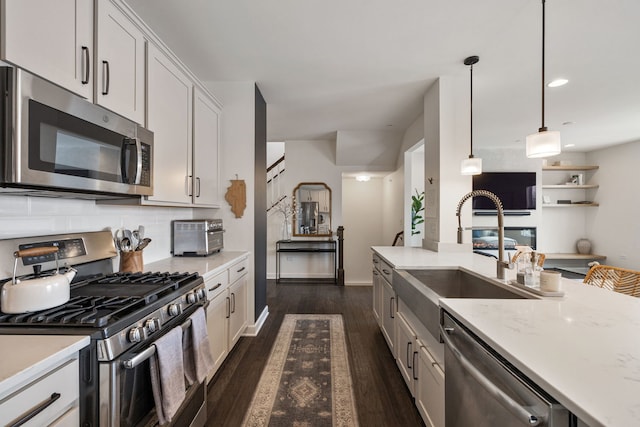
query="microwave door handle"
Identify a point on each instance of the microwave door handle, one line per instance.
(126, 147)
(510, 404)
(138, 175)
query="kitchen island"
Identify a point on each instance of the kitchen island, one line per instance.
(582, 348)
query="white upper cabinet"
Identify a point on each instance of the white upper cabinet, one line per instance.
(53, 39)
(120, 54)
(170, 119)
(206, 136)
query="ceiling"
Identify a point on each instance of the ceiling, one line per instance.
(364, 65)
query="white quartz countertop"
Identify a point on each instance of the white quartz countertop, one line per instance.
(205, 266)
(582, 348)
(26, 357)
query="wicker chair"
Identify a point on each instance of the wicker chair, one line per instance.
(616, 279)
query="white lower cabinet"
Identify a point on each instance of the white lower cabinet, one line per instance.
(406, 352)
(429, 387)
(377, 295)
(57, 391)
(389, 305)
(227, 311)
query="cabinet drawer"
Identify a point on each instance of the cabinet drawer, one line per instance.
(63, 381)
(238, 270)
(217, 284)
(383, 267)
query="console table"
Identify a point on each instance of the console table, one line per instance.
(306, 246)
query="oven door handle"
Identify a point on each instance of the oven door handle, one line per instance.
(147, 353)
(510, 404)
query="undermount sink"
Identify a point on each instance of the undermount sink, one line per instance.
(421, 290)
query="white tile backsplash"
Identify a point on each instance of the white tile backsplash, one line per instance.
(38, 216)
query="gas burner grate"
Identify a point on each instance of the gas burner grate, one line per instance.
(79, 311)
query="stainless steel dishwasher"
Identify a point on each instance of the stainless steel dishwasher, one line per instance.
(484, 390)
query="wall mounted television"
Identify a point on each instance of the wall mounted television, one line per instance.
(516, 190)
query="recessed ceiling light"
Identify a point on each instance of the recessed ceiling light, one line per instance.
(363, 178)
(567, 123)
(569, 145)
(558, 83)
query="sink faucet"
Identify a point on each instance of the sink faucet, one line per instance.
(501, 264)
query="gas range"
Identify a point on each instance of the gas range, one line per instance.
(123, 313)
(119, 310)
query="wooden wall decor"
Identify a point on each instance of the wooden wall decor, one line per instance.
(236, 196)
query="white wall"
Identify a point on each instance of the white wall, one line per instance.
(238, 154)
(446, 136)
(22, 216)
(307, 161)
(363, 217)
(614, 226)
(393, 212)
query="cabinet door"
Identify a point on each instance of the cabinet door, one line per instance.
(429, 393)
(377, 295)
(238, 319)
(170, 118)
(218, 329)
(53, 39)
(120, 72)
(389, 305)
(206, 134)
(405, 348)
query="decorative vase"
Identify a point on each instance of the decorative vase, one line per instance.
(285, 231)
(583, 246)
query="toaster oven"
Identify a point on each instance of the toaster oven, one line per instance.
(197, 237)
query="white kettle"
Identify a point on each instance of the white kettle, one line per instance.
(36, 293)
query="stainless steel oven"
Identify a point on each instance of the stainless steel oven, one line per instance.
(55, 141)
(482, 389)
(125, 387)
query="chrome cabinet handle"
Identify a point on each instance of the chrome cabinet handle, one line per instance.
(408, 351)
(228, 307)
(491, 388)
(413, 369)
(33, 412)
(391, 307)
(86, 65)
(105, 77)
(233, 302)
(197, 186)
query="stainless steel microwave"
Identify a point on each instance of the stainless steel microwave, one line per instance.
(54, 142)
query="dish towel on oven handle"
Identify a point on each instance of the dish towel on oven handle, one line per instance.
(198, 360)
(167, 375)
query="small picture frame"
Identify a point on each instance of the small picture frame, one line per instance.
(577, 179)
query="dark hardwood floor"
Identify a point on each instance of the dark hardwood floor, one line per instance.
(382, 399)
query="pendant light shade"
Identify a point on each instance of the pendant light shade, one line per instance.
(472, 165)
(545, 143)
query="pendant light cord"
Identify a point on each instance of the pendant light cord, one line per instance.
(471, 108)
(543, 127)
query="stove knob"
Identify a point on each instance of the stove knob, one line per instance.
(202, 294)
(152, 325)
(173, 309)
(135, 335)
(192, 298)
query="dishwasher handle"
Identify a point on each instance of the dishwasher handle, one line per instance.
(499, 395)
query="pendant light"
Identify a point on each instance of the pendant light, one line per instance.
(545, 143)
(472, 165)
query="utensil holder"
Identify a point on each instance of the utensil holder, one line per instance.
(131, 262)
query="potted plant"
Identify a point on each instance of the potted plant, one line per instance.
(417, 206)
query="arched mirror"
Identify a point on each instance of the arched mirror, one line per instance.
(312, 209)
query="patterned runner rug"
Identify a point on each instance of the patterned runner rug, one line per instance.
(306, 382)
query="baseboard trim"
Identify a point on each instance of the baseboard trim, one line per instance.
(358, 284)
(254, 330)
